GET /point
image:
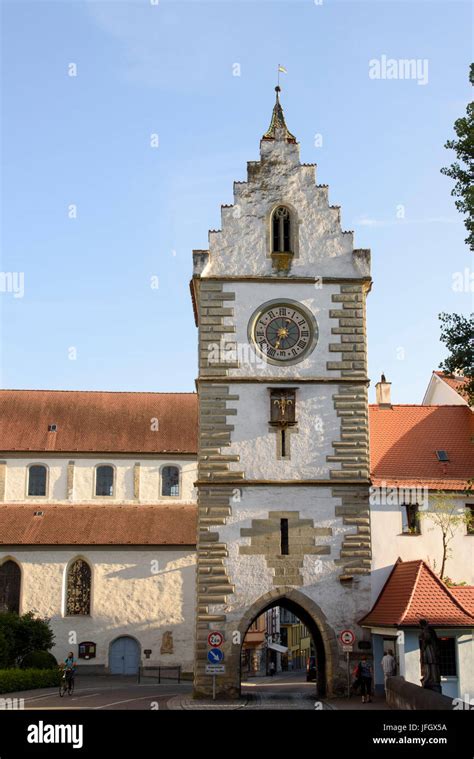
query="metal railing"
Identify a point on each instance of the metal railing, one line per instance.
(162, 673)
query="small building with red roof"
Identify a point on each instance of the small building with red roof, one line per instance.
(413, 592)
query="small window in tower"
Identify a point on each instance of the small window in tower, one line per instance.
(283, 443)
(281, 240)
(284, 550)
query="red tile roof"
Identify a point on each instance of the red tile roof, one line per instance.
(456, 383)
(404, 441)
(413, 592)
(75, 524)
(98, 421)
(465, 595)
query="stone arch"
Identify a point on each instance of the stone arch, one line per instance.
(310, 614)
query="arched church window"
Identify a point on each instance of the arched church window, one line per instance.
(170, 481)
(281, 222)
(37, 480)
(78, 589)
(10, 582)
(104, 480)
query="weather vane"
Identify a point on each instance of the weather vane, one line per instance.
(280, 69)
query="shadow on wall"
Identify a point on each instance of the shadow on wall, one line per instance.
(136, 572)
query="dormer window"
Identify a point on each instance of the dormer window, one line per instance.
(281, 230)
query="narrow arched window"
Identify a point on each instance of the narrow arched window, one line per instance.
(170, 481)
(281, 230)
(78, 589)
(37, 480)
(10, 583)
(104, 480)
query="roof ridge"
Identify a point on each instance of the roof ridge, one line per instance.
(109, 392)
(379, 596)
(418, 405)
(445, 588)
(410, 599)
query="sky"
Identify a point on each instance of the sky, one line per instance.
(124, 126)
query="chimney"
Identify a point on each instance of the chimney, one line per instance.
(382, 393)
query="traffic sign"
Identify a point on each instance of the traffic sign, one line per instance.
(215, 639)
(215, 656)
(347, 649)
(347, 637)
(215, 669)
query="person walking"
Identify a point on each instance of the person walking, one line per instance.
(388, 667)
(365, 676)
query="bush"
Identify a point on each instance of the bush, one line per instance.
(27, 679)
(39, 660)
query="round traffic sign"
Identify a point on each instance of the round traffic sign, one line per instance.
(215, 656)
(215, 639)
(347, 637)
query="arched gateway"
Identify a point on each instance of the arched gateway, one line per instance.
(311, 615)
(283, 469)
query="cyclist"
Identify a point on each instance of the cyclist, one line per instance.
(70, 669)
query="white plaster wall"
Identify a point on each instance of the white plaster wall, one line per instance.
(84, 479)
(255, 441)
(241, 247)
(440, 394)
(251, 295)
(252, 578)
(388, 543)
(16, 486)
(128, 597)
(465, 651)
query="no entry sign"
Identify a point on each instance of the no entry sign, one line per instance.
(347, 637)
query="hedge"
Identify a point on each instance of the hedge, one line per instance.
(39, 660)
(26, 679)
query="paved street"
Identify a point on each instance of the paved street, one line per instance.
(283, 691)
(105, 693)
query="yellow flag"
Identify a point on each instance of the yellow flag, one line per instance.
(282, 69)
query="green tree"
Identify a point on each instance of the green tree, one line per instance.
(462, 170)
(444, 515)
(457, 333)
(20, 636)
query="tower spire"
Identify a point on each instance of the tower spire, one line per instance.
(278, 129)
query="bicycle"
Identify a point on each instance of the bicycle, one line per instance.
(66, 684)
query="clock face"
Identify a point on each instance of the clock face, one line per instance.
(284, 332)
